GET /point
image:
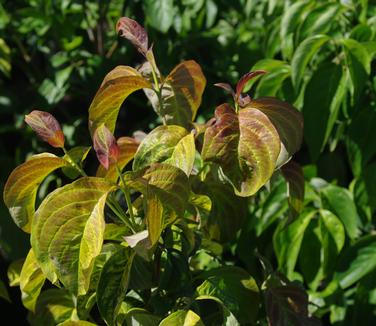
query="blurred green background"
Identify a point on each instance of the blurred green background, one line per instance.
(319, 56)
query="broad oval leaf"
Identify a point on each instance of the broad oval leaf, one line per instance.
(158, 146)
(31, 281)
(113, 284)
(303, 54)
(181, 94)
(183, 318)
(21, 187)
(67, 232)
(246, 146)
(235, 288)
(127, 149)
(107, 101)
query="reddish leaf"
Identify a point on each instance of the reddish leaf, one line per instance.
(226, 87)
(242, 81)
(105, 146)
(46, 127)
(133, 32)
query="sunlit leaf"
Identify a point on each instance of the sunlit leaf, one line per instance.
(76, 323)
(46, 127)
(183, 318)
(160, 14)
(67, 233)
(113, 284)
(246, 146)
(118, 84)
(105, 146)
(14, 271)
(154, 216)
(31, 281)
(21, 187)
(78, 154)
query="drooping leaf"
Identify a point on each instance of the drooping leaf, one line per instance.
(133, 32)
(53, 306)
(158, 146)
(127, 150)
(183, 318)
(244, 79)
(339, 200)
(46, 127)
(320, 112)
(21, 187)
(160, 14)
(235, 288)
(154, 216)
(78, 155)
(67, 232)
(288, 239)
(113, 284)
(293, 173)
(105, 146)
(181, 94)
(31, 281)
(357, 261)
(303, 54)
(288, 122)
(118, 84)
(246, 146)
(14, 271)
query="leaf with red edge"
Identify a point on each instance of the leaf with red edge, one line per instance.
(117, 85)
(293, 173)
(133, 32)
(105, 146)
(226, 87)
(127, 149)
(245, 78)
(46, 127)
(245, 145)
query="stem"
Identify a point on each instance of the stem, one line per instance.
(127, 195)
(73, 163)
(158, 91)
(112, 204)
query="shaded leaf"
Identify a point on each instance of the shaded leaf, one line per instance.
(160, 14)
(21, 187)
(154, 216)
(246, 146)
(105, 146)
(78, 155)
(4, 292)
(14, 271)
(134, 32)
(67, 233)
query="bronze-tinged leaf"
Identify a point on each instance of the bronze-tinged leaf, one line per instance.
(127, 149)
(105, 146)
(118, 84)
(182, 93)
(246, 146)
(287, 120)
(154, 216)
(243, 81)
(293, 173)
(227, 87)
(22, 185)
(46, 127)
(133, 32)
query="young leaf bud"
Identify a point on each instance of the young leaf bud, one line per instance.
(133, 32)
(105, 146)
(46, 127)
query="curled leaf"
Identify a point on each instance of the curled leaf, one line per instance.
(105, 146)
(133, 32)
(226, 87)
(46, 127)
(243, 81)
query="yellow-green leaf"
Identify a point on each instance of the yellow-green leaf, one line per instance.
(31, 281)
(117, 85)
(67, 233)
(183, 318)
(78, 154)
(183, 156)
(246, 146)
(21, 187)
(76, 323)
(154, 216)
(14, 271)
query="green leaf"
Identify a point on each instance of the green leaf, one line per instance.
(21, 187)
(339, 200)
(154, 216)
(359, 66)
(160, 14)
(116, 86)
(4, 292)
(228, 318)
(288, 239)
(235, 288)
(128, 147)
(303, 55)
(78, 154)
(181, 94)
(113, 284)
(183, 318)
(14, 271)
(31, 281)
(138, 317)
(158, 146)
(246, 146)
(357, 261)
(320, 112)
(183, 156)
(53, 306)
(67, 232)
(76, 323)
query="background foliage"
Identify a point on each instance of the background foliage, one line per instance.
(319, 56)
